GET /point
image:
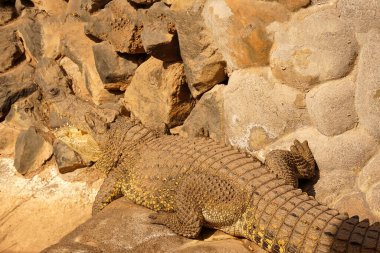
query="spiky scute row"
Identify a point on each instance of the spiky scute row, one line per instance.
(198, 182)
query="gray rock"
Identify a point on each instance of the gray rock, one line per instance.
(119, 24)
(331, 106)
(67, 159)
(206, 118)
(31, 152)
(115, 71)
(159, 36)
(363, 15)
(313, 48)
(30, 32)
(11, 49)
(367, 98)
(14, 85)
(204, 65)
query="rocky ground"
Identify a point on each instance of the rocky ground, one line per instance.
(255, 74)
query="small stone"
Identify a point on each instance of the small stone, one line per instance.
(67, 159)
(331, 106)
(31, 152)
(159, 36)
(296, 57)
(367, 100)
(119, 24)
(158, 94)
(115, 71)
(11, 50)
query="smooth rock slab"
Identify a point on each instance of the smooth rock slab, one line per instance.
(158, 94)
(331, 106)
(119, 24)
(367, 98)
(313, 48)
(257, 110)
(31, 151)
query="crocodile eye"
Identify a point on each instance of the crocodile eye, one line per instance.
(54, 91)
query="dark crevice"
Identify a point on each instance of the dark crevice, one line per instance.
(93, 38)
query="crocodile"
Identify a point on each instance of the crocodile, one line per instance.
(196, 182)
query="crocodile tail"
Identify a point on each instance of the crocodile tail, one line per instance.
(280, 218)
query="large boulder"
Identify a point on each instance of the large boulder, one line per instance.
(238, 29)
(119, 24)
(363, 15)
(367, 98)
(11, 49)
(331, 106)
(159, 36)
(204, 64)
(257, 110)
(115, 71)
(313, 47)
(158, 94)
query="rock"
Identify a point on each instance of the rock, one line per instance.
(93, 5)
(143, 2)
(49, 205)
(204, 64)
(125, 227)
(49, 75)
(11, 49)
(53, 8)
(363, 15)
(294, 5)
(313, 48)
(257, 110)
(206, 119)
(159, 36)
(372, 197)
(367, 98)
(8, 139)
(15, 84)
(355, 204)
(67, 159)
(31, 152)
(7, 13)
(331, 106)
(119, 24)
(238, 29)
(78, 49)
(370, 174)
(115, 71)
(31, 32)
(158, 94)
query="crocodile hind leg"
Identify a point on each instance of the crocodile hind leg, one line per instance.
(110, 190)
(292, 165)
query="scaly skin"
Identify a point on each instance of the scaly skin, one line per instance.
(197, 182)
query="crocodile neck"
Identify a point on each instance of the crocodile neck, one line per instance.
(280, 218)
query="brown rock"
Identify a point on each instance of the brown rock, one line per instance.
(204, 64)
(206, 119)
(31, 32)
(158, 94)
(31, 152)
(159, 36)
(11, 49)
(331, 106)
(238, 29)
(93, 5)
(294, 5)
(372, 197)
(367, 98)
(53, 8)
(67, 159)
(355, 204)
(15, 84)
(296, 57)
(7, 13)
(115, 71)
(370, 174)
(119, 24)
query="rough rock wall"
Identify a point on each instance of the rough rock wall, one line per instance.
(252, 73)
